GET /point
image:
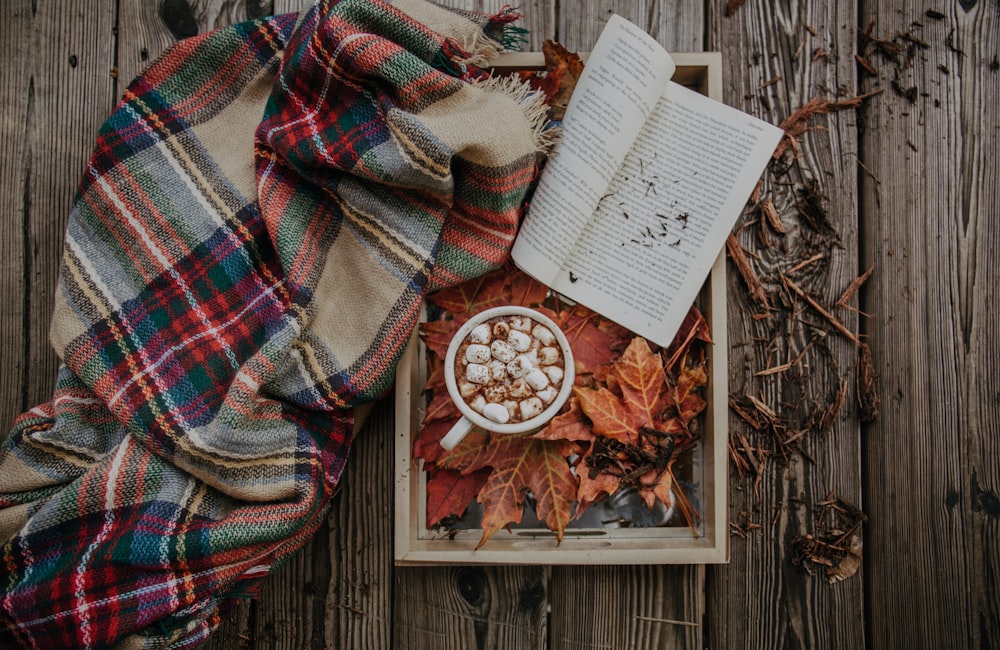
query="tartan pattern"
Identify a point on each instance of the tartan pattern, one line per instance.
(232, 286)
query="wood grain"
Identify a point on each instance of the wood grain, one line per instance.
(461, 608)
(56, 89)
(932, 227)
(760, 600)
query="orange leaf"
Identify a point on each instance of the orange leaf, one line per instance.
(564, 69)
(441, 408)
(642, 382)
(612, 418)
(689, 403)
(656, 487)
(428, 443)
(469, 455)
(521, 464)
(592, 489)
(569, 425)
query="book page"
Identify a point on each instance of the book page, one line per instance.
(621, 83)
(660, 225)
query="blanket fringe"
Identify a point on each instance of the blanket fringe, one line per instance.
(532, 104)
(498, 35)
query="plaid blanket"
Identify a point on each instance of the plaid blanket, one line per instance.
(245, 260)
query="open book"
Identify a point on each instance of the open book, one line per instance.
(639, 197)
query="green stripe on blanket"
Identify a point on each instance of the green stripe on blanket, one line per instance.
(232, 287)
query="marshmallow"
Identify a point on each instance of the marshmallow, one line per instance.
(498, 370)
(548, 356)
(495, 393)
(537, 379)
(478, 353)
(467, 389)
(496, 412)
(480, 334)
(555, 374)
(520, 366)
(477, 374)
(503, 351)
(519, 340)
(511, 406)
(478, 403)
(520, 389)
(522, 323)
(531, 407)
(543, 334)
(548, 394)
(501, 330)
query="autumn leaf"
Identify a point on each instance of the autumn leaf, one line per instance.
(520, 464)
(563, 71)
(611, 417)
(640, 376)
(595, 341)
(473, 296)
(688, 402)
(437, 335)
(656, 485)
(449, 492)
(568, 425)
(594, 486)
(694, 328)
(525, 290)
(441, 408)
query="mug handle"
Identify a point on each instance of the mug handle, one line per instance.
(456, 433)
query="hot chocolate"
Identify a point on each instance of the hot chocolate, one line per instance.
(509, 368)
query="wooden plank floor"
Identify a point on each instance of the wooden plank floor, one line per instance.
(907, 184)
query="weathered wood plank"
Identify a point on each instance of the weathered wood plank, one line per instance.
(678, 26)
(56, 89)
(360, 590)
(627, 607)
(932, 225)
(776, 57)
(459, 608)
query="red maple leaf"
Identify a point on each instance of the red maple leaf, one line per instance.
(449, 492)
(595, 340)
(473, 296)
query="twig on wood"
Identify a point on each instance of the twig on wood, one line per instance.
(836, 542)
(869, 172)
(833, 409)
(771, 215)
(666, 620)
(806, 262)
(798, 122)
(769, 82)
(853, 287)
(867, 387)
(819, 309)
(754, 286)
(863, 62)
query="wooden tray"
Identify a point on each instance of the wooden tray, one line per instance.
(415, 544)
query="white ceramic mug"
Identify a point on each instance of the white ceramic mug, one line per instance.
(470, 417)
